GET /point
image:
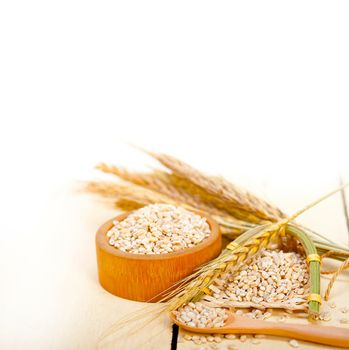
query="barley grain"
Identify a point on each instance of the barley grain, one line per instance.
(260, 336)
(294, 343)
(217, 339)
(243, 338)
(230, 336)
(232, 347)
(325, 316)
(332, 305)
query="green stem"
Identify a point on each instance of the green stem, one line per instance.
(314, 266)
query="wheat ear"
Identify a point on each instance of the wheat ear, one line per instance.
(160, 182)
(221, 189)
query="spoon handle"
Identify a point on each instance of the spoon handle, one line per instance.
(335, 336)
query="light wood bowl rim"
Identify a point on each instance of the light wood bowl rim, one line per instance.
(102, 241)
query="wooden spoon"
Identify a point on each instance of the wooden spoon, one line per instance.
(336, 336)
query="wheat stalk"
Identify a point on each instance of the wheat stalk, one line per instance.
(233, 197)
(212, 201)
(159, 182)
(180, 190)
(183, 191)
(166, 185)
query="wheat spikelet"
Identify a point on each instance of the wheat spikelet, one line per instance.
(204, 196)
(213, 200)
(183, 192)
(159, 181)
(222, 189)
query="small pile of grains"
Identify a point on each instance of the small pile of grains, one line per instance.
(271, 279)
(158, 229)
(201, 316)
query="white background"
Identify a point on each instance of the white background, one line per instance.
(256, 91)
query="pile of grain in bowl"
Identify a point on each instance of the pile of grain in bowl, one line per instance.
(158, 229)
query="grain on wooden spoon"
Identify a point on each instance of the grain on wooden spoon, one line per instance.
(335, 336)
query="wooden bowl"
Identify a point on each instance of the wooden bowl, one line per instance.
(144, 277)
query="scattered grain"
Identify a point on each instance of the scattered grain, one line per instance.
(267, 315)
(294, 343)
(230, 336)
(332, 305)
(325, 316)
(217, 339)
(282, 319)
(344, 320)
(243, 338)
(203, 339)
(232, 347)
(260, 336)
